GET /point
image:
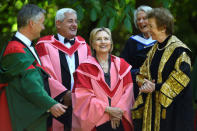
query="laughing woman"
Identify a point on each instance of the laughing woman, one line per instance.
(137, 46)
(165, 102)
(103, 94)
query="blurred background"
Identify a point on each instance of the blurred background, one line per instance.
(114, 14)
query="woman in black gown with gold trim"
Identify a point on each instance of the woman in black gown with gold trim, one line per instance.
(165, 99)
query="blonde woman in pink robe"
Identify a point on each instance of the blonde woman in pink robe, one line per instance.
(103, 91)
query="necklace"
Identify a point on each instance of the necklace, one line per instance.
(162, 48)
(104, 65)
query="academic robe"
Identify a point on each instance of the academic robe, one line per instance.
(91, 93)
(52, 55)
(135, 53)
(169, 107)
(22, 90)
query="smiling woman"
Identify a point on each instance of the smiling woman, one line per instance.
(165, 99)
(137, 46)
(103, 89)
(102, 46)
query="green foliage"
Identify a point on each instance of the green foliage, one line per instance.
(115, 14)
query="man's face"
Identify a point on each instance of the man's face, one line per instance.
(68, 27)
(38, 26)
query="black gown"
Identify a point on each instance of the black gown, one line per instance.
(135, 54)
(169, 107)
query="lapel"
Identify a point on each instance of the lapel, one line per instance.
(70, 51)
(16, 39)
(76, 60)
(65, 72)
(63, 60)
(94, 71)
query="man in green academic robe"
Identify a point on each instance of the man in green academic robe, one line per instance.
(24, 100)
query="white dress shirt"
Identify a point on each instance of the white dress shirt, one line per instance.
(27, 42)
(70, 59)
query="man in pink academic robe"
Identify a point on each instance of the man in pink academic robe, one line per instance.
(60, 55)
(91, 94)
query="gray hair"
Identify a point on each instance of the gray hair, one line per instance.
(60, 15)
(29, 12)
(144, 8)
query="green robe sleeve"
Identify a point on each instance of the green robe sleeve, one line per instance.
(26, 96)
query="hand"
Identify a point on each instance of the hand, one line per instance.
(58, 109)
(115, 122)
(114, 112)
(148, 86)
(67, 98)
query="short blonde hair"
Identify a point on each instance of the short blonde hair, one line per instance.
(93, 34)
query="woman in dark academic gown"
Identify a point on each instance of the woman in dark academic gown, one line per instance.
(103, 91)
(165, 100)
(137, 46)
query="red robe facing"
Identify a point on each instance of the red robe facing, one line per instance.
(90, 94)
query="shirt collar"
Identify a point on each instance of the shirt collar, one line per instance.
(23, 38)
(61, 38)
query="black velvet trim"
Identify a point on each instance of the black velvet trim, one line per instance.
(169, 66)
(60, 96)
(158, 86)
(76, 59)
(65, 72)
(185, 68)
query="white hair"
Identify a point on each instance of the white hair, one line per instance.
(60, 15)
(144, 8)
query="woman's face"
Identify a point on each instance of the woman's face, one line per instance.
(102, 43)
(142, 22)
(156, 33)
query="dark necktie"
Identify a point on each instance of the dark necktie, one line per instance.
(70, 41)
(32, 44)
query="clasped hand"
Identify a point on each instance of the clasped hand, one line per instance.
(58, 109)
(148, 86)
(115, 116)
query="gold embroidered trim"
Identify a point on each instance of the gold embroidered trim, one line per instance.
(180, 76)
(177, 79)
(167, 87)
(137, 114)
(163, 114)
(157, 112)
(165, 57)
(138, 102)
(147, 115)
(145, 68)
(140, 80)
(164, 100)
(160, 99)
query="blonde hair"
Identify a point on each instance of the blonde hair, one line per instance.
(93, 34)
